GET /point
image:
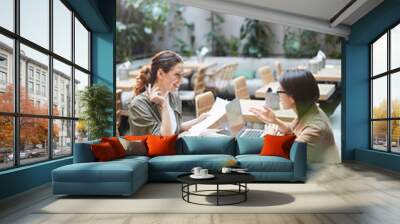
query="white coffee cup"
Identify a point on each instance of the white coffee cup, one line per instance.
(196, 170)
(203, 172)
(226, 170)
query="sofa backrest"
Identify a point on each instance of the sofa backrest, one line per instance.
(192, 145)
(246, 145)
(83, 152)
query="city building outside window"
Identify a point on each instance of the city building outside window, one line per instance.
(30, 87)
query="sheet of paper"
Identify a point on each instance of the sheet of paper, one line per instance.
(216, 112)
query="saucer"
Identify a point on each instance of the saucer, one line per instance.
(208, 176)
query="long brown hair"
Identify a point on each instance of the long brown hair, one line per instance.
(164, 60)
(301, 85)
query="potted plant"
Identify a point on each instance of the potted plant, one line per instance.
(96, 102)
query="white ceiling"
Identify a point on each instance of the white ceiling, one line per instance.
(307, 14)
(321, 9)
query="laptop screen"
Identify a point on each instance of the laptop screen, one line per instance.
(234, 116)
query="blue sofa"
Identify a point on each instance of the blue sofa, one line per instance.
(125, 176)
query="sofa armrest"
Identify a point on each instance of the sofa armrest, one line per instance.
(83, 152)
(298, 155)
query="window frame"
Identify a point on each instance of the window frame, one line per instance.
(16, 114)
(388, 74)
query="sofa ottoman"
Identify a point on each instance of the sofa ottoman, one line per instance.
(119, 177)
(87, 177)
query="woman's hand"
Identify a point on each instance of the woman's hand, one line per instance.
(155, 95)
(265, 114)
(203, 116)
(188, 124)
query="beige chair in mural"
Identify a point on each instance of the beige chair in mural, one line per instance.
(240, 87)
(265, 73)
(199, 86)
(220, 79)
(204, 102)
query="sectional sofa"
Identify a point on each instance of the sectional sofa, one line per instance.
(125, 176)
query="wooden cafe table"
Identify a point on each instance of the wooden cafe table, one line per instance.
(325, 90)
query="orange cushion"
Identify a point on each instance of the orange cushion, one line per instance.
(135, 138)
(116, 145)
(277, 145)
(103, 152)
(161, 145)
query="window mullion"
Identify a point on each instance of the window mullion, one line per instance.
(389, 106)
(16, 84)
(73, 81)
(50, 81)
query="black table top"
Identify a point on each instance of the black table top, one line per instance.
(220, 178)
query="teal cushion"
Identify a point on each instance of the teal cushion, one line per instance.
(246, 145)
(185, 163)
(194, 145)
(248, 74)
(83, 152)
(257, 163)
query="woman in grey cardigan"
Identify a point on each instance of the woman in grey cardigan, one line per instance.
(156, 108)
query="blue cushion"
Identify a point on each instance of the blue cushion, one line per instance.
(83, 153)
(185, 163)
(196, 145)
(257, 163)
(248, 74)
(246, 145)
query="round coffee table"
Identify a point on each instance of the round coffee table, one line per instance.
(238, 179)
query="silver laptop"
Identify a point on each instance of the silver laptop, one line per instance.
(236, 121)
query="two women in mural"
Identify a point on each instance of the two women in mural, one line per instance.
(156, 108)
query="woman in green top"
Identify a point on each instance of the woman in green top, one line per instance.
(156, 108)
(299, 91)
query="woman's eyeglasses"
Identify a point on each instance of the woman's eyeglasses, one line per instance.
(280, 91)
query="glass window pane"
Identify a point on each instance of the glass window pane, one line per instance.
(81, 45)
(81, 131)
(395, 47)
(62, 29)
(379, 97)
(62, 89)
(35, 21)
(33, 139)
(395, 136)
(62, 138)
(395, 94)
(7, 14)
(6, 142)
(6, 74)
(34, 72)
(379, 135)
(379, 55)
(81, 81)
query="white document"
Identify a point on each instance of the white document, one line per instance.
(217, 111)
